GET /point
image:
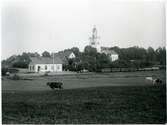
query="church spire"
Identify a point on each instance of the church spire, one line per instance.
(94, 39)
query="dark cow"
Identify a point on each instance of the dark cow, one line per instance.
(54, 85)
(158, 81)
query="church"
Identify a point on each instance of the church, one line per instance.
(96, 44)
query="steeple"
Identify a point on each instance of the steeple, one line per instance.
(94, 39)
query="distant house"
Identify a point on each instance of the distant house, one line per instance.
(65, 55)
(71, 55)
(45, 64)
(113, 55)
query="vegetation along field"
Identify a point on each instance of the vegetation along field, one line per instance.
(86, 98)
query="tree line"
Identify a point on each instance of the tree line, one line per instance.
(91, 60)
(132, 57)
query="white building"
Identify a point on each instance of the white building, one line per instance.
(45, 64)
(71, 55)
(113, 55)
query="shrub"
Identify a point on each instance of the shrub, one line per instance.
(4, 71)
(13, 70)
(15, 77)
(46, 73)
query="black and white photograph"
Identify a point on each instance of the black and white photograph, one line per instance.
(83, 62)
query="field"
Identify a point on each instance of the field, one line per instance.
(86, 98)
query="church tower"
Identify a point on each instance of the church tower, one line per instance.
(94, 40)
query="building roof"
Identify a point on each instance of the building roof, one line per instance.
(112, 52)
(45, 60)
(107, 50)
(63, 55)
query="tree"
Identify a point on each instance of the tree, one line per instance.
(93, 61)
(46, 54)
(21, 61)
(161, 55)
(33, 54)
(103, 61)
(76, 51)
(90, 50)
(151, 55)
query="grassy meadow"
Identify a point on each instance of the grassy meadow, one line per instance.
(86, 98)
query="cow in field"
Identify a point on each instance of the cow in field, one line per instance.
(53, 85)
(149, 78)
(155, 81)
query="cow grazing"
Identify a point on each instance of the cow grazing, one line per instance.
(149, 78)
(54, 85)
(155, 81)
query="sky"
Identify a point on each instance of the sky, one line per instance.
(55, 25)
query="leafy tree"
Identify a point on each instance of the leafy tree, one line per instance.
(90, 50)
(46, 54)
(120, 64)
(151, 55)
(93, 61)
(135, 57)
(161, 55)
(4, 71)
(22, 61)
(33, 54)
(76, 51)
(103, 61)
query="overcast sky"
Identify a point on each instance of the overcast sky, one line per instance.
(54, 25)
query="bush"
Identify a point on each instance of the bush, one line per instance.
(46, 74)
(20, 64)
(13, 70)
(4, 71)
(15, 77)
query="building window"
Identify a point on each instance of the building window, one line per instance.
(33, 68)
(58, 67)
(52, 67)
(45, 67)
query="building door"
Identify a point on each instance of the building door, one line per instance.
(39, 68)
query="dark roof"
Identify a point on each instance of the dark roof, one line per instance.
(113, 52)
(63, 55)
(45, 60)
(107, 50)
